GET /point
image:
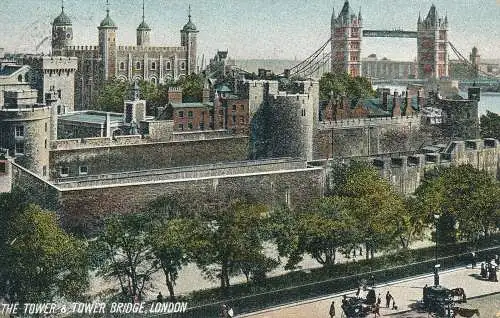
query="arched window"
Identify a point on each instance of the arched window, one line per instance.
(168, 66)
(20, 78)
(138, 65)
(122, 66)
(153, 80)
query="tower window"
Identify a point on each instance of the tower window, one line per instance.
(183, 66)
(138, 65)
(83, 170)
(19, 148)
(190, 114)
(181, 114)
(64, 172)
(153, 66)
(168, 66)
(19, 131)
(122, 66)
(190, 126)
(153, 80)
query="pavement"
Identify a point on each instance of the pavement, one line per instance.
(406, 294)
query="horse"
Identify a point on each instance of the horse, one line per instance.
(465, 312)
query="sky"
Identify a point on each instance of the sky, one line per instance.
(253, 29)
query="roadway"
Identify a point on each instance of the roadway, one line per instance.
(405, 292)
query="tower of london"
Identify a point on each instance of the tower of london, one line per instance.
(107, 60)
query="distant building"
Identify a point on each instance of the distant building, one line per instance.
(107, 60)
(388, 69)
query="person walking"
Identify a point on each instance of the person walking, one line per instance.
(376, 311)
(332, 310)
(379, 300)
(388, 298)
(159, 298)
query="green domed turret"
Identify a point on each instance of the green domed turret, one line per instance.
(108, 22)
(62, 19)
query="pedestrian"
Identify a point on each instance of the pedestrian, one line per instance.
(159, 298)
(376, 311)
(394, 307)
(473, 255)
(379, 300)
(332, 310)
(483, 271)
(372, 280)
(223, 311)
(358, 291)
(388, 298)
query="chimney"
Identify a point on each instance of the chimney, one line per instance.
(174, 95)
(385, 99)
(205, 95)
(420, 99)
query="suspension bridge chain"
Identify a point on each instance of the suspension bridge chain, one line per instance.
(310, 61)
(467, 62)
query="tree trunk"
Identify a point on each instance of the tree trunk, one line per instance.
(170, 285)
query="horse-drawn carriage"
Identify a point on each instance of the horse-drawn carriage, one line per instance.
(358, 307)
(446, 302)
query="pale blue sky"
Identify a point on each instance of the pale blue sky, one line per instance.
(281, 29)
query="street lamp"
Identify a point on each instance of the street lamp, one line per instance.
(436, 265)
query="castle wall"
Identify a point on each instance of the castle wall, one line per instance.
(364, 136)
(108, 158)
(85, 208)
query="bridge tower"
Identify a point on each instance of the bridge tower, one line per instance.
(432, 46)
(346, 41)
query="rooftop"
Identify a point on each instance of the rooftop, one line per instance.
(192, 105)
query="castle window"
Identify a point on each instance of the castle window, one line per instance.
(122, 66)
(190, 114)
(20, 78)
(138, 65)
(153, 80)
(64, 172)
(19, 148)
(153, 65)
(303, 112)
(19, 131)
(181, 114)
(202, 126)
(83, 170)
(3, 166)
(44, 171)
(181, 127)
(234, 120)
(242, 120)
(190, 126)
(168, 66)
(183, 66)
(45, 127)
(45, 143)
(234, 107)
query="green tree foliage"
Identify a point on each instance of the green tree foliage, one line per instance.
(39, 260)
(124, 252)
(342, 83)
(192, 86)
(232, 239)
(490, 125)
(112, 94)
(378, 211)
(320, 232)
(467, 200)
(172, 242)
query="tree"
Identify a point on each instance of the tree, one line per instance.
(192, 86)
(377, 209)
(231, 239)
(172, 242)
(40, 261)
(320, 231)
(490, 125)
(343, 84)
(124, 252)
(467, 200)
(112, 94)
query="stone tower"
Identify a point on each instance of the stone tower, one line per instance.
(143, 31)
(107, 46)
(188, 40)
(475, 58)
(432, 46)
(62, 32)
(346, 41)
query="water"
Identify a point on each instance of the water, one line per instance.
(489, 101)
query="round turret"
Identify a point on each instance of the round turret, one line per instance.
(108, 22)
(62, 33)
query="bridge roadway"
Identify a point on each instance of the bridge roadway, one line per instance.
(405, 292)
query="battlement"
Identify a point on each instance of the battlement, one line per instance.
(69, 144)
(52, 62)
(82, 48)
(369, 122)
(165, 49)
